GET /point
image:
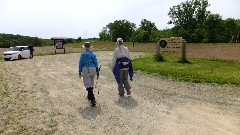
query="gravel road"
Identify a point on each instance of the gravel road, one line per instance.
(44, 95)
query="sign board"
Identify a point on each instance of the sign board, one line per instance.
(58, 43)
(174, 44)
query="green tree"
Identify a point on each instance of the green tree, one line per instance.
(69, 40)
(120, 28)
(238, 31)
(105, 34)
(137, 35)
(154, 36)
(7, 44)
(231, 30)
(36, 42)
(213, 28)
(165, 33)
(149, 28)
(188, 17)
(8, 40)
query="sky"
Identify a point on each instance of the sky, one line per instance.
(86, 18)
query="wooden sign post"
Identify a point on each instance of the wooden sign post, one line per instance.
(173, 44)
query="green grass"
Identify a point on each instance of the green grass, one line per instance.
(196, 70)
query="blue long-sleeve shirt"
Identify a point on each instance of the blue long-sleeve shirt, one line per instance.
(87, 58)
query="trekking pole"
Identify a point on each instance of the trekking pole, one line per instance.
(98, 78)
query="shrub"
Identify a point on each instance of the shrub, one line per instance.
(159, 57)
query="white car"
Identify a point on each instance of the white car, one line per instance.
(17, 52)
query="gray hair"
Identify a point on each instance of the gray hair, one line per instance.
(119, 41)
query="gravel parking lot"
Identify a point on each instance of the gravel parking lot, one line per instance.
(44, 95)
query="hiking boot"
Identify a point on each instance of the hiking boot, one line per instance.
(93, 102)
(128, 92)
(89, 93)
(121, 95)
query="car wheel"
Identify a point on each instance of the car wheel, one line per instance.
(19, 57)
(6, 59)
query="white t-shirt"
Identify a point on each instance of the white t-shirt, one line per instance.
(120, 52)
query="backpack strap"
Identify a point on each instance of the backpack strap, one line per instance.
(92, 60)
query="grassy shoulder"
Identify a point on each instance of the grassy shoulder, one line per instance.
(198, 70)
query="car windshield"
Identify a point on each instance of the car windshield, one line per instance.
(14, 49)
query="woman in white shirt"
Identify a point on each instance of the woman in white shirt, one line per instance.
(120, 67)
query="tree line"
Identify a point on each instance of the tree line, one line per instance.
(8, 40)
(191, 20)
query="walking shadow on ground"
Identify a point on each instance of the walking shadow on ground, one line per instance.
(89, 112)
(127, 102)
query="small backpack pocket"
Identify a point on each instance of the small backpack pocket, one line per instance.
(123, 65)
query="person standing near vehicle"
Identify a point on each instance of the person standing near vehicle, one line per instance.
(122, 67)
(88, 68)
(30, 47)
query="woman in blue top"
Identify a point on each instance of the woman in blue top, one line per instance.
(88, 65)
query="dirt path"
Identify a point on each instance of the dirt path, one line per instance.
(45, 96)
